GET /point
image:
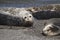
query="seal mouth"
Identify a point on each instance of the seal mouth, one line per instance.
(28, 24)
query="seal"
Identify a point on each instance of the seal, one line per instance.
(27, 17)
(52, 27)
(16, 16)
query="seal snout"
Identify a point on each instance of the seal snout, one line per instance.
(28, 23)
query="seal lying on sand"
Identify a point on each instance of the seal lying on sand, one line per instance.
(46, 14)
(52, 27)
(21, 17)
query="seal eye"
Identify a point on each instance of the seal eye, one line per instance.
(25, 17)
(47, 30)
(29, 16)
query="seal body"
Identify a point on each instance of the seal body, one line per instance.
(15, 16)
(52, 27)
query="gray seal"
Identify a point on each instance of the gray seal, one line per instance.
(16, 18)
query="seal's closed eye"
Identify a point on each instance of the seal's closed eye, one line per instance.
(54, 28)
